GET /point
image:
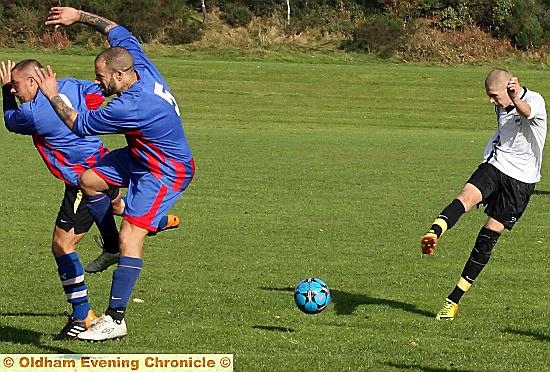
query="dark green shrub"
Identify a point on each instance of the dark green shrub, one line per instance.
(529, 35)
(523, 27)
(380, 35)
(237, 15)
(183, 32)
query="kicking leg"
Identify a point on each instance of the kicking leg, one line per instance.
(466, 200)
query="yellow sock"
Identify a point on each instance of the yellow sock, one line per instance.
(463, 284)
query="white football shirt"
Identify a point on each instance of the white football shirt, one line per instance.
(516, 147)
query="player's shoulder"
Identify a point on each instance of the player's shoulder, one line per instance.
(73, 82)
(531, 95)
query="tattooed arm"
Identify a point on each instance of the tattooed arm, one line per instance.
(48, 86)
(67, 16)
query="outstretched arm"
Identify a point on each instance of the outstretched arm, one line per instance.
(48, 86)
(66, 16)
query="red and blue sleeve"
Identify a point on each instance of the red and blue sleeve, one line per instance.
(116, 117)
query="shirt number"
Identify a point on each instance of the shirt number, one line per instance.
(167, 96)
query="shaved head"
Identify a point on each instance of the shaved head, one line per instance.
(116, 58)
(27, 66)
(498, 79)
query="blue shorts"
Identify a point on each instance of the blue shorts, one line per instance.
(148, 199)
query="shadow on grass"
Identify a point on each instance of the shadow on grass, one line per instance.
(49, 315)
(274, 328)
(426, 369)
(20, 336)
(541, 192)
(539, 336)
(345, 303)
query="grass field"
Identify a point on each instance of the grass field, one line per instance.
(303, 169)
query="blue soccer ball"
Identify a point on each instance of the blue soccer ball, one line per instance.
(312, 295)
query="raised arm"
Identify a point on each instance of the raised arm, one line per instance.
(8, 99)
(513, 88)
(66, 16)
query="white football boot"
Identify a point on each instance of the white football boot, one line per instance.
(103, 329)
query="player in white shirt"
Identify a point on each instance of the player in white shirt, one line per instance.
(503, 182)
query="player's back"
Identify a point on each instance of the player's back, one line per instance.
(155, 130)
(61, 149)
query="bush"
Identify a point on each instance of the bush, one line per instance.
(455, 19)
(529, 35)
(183, 32)
(381, 35)
(237, 15)
(523, 27)
(326, 19)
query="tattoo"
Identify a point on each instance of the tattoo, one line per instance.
(65, 113)
(101, 24)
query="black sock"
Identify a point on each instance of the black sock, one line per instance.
(117, 314)
(485, 242)
(448, 217)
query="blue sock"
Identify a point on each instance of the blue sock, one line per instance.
(124, 279)
(71, 275)
(163, 222)
(101, 210)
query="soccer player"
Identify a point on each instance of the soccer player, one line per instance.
(66, 156)
(156, 166)
(503, 182)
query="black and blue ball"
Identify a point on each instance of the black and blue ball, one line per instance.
(312, 295)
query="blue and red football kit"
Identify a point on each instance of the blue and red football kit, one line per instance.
(157, 165)
(65, 154)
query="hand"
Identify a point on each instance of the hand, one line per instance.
(513, 88)
(46, 81)
(5, 72)
(61, 15)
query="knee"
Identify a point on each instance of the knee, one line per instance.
(61, 247)
(88, 182)
(484, 245)
(131, 240)
(470, 196)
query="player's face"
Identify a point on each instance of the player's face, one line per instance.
(105, 79)
(23, 86)
(498, 97)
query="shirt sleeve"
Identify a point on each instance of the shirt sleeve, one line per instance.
(17, 119)
(116, 117)
(120, 36)
(538, 110)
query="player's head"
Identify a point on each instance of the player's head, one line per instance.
(23, 85)
(114, 71)
(495, 87)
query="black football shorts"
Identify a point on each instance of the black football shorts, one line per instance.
(504, 197)
(73, 211)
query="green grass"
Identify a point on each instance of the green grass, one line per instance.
(303, 169)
